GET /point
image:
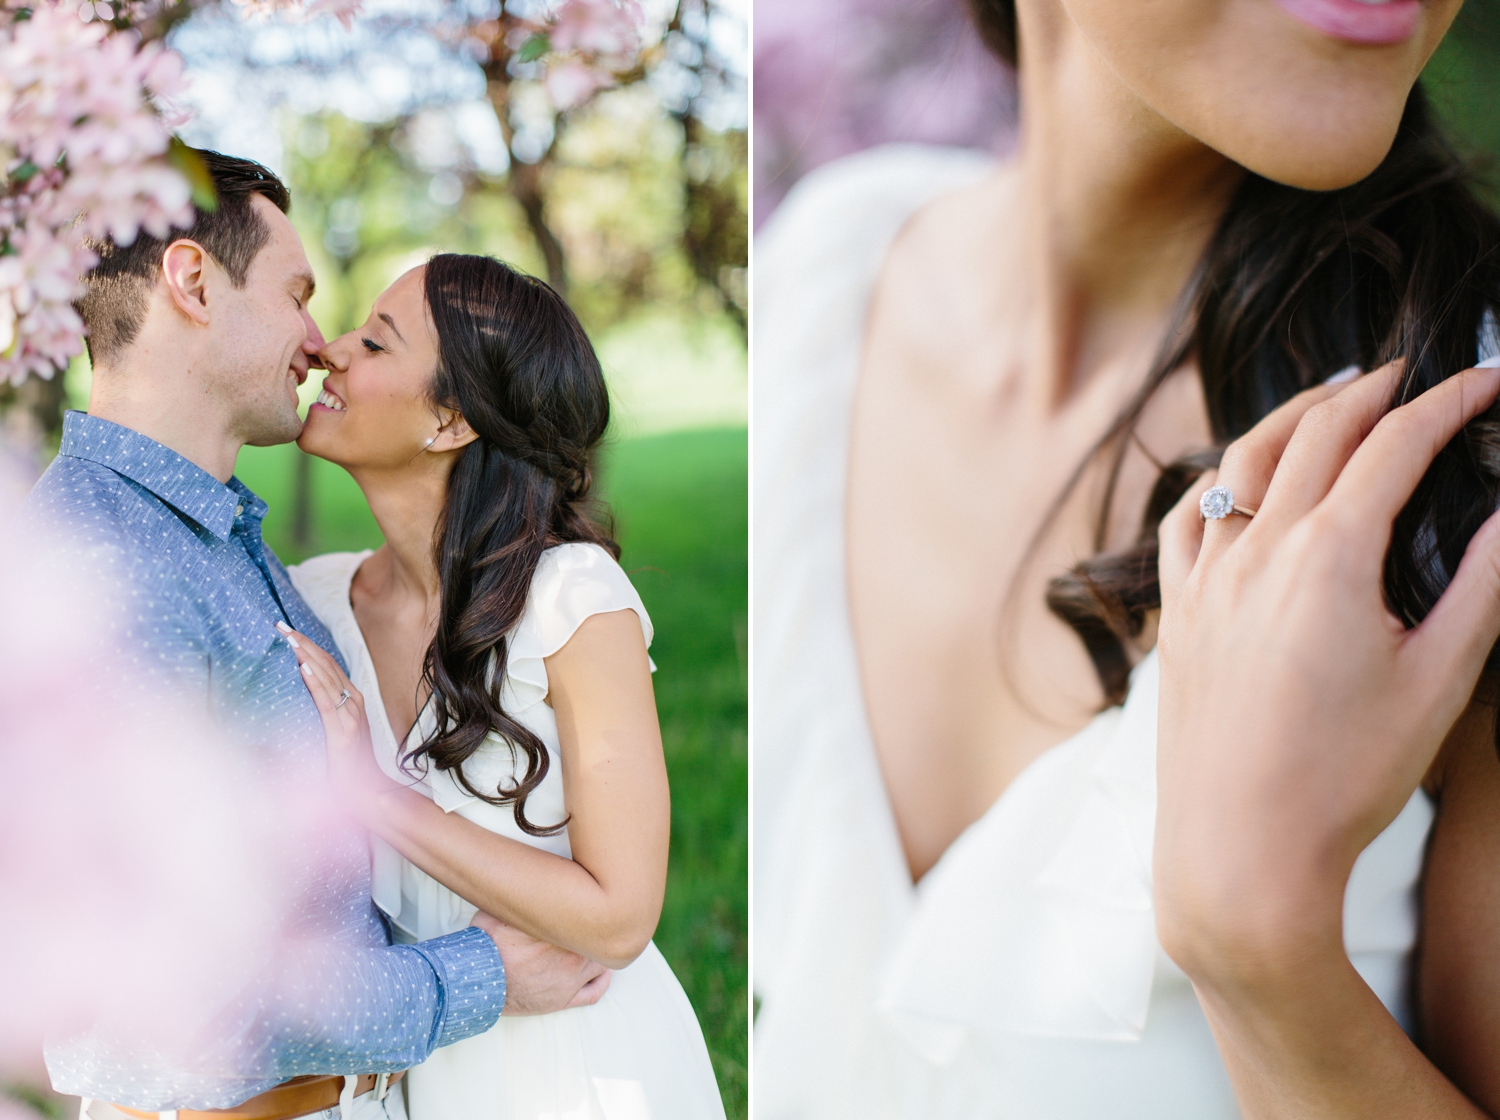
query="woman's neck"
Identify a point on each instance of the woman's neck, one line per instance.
(407, 505)
(1118, 205)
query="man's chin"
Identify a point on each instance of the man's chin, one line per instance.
(271, 433)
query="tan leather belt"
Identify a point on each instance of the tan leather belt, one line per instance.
(297, 1097)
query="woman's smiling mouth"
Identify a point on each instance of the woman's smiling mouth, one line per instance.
(329, 401)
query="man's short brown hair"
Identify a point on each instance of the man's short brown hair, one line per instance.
(117, 290)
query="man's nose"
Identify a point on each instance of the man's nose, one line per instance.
(313, 343)
(315, 340)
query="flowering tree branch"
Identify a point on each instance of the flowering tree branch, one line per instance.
(86, 146)
(85, 151)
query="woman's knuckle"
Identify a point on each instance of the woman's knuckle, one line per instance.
(1322, 419)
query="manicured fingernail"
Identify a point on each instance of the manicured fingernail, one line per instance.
(307, 669)
(293, 642)
(283, 627)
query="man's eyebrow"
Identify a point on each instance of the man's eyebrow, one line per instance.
(388, 321)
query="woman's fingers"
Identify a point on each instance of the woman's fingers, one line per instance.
(1383, 472)
(1179, 538)
(322, 686)
(1251, 461)
(307, 649)
(1326, 436)
(1452, 642)
(326, 680)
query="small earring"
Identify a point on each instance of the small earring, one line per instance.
(430, 442)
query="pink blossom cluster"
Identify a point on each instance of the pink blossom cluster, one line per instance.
(342, 10)
(590, 42)
(83, 140)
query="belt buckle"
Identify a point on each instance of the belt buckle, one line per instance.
(382, 1085)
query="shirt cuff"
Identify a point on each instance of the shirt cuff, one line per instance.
(471, 983)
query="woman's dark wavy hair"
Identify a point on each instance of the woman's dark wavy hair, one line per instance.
(1295, 286)
(515, 363)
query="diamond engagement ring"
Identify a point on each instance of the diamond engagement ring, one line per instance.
(343, 697)
(1217, 503)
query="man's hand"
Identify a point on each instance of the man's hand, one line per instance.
(541, 978)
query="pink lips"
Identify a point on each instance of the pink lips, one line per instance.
(1374, 24)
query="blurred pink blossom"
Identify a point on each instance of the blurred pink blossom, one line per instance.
(83, 139)
(833, 77)
(342, 10)
(590, 43)
(150, 871)
(602, 28)
(569, 83)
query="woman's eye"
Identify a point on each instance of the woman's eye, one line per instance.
(372, 346)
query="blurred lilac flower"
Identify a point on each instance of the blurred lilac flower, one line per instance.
(833, 77)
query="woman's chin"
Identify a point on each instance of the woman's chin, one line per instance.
(316, 441)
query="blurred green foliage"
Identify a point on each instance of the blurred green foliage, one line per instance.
(625, 183)
(1464, 81)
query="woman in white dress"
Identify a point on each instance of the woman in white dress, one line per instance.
(500, 735)
(978, 388)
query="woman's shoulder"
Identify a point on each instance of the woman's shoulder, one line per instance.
(325, 578)
(869, 186)
(818, 259)
(851, 202)
(572, 582)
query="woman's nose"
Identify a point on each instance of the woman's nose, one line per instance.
(334, 355)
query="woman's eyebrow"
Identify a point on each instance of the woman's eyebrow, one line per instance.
(388, 321)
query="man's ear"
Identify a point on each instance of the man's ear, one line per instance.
(184, 269)
(454, 433)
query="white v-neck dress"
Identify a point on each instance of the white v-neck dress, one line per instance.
(638, 1054)
(1022, 980)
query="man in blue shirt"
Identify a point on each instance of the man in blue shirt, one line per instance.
(199, 344)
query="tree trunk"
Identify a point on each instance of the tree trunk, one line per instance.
(34, 408)
(525, 187)
(713, 227)
(525, 179)
(301, 533)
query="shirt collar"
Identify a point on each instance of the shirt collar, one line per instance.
(187, 488)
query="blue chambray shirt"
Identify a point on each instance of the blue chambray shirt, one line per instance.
(199, 595)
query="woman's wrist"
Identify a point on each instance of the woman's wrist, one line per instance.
(369, 794)
(1253, 927)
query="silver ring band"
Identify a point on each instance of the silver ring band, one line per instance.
(343, 698)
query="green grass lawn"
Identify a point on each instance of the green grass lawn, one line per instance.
(679, 502)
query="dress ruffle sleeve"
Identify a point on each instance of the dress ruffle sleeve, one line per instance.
(572, 583)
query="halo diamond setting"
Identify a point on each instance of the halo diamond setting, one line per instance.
(1217, 503)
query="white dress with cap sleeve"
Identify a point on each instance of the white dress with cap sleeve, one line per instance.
(637, 1054)
(1022, 979)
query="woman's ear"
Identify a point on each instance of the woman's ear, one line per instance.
(453, 433)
